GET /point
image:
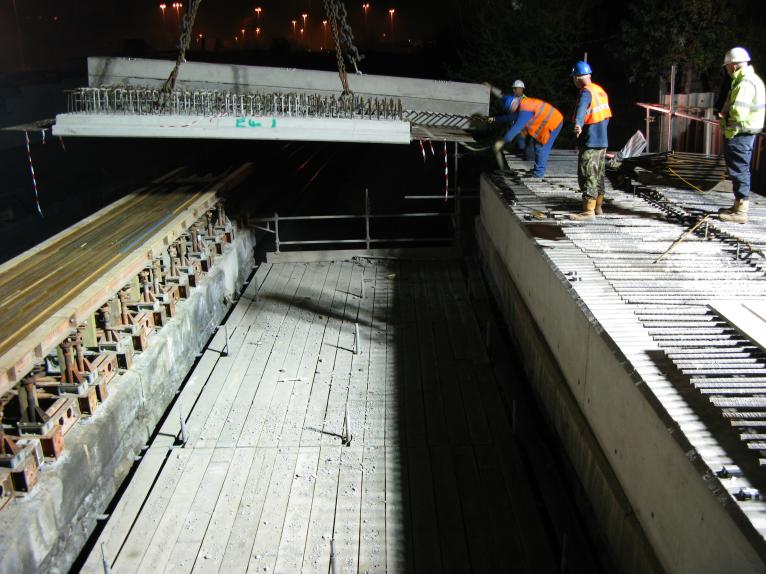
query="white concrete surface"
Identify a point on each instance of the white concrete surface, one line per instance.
(416, 94)
(239, 128)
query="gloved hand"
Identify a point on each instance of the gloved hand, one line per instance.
(499, 145)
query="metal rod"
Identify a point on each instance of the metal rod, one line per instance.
(357, 342)
(366, 220)
(648, 122)
(225, 351)
(670, 116)
(346, 433)
(184, 434)
(276, 230)
(458, 198)
(333, 561)
(105, 560)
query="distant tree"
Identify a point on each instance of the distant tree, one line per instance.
(693, 34)
(532, 40)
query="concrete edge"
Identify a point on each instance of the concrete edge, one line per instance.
(629, 547)
(692, 524)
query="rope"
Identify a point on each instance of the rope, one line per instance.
(32, 171)
(183, 44)
(690, 184)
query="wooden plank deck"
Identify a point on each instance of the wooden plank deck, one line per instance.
(430, 483)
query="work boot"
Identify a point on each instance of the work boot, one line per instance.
(729, 210)
(599, 203)
(739, 213)
(588, 211)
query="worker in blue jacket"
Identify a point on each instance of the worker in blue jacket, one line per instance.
(540, 120)
(524, 146)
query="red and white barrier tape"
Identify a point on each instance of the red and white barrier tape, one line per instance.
(32, 171)
(446, 173)
(431, 145)
(422, 150)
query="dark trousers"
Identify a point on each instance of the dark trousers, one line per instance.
(738, 152)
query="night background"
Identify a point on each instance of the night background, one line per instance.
(44, 45)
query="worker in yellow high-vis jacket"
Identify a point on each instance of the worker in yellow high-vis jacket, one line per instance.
(741, 119)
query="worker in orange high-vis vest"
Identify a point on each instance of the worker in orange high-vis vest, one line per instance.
(591, 122)
(540, 120)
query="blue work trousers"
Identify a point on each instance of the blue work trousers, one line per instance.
(737, 152)
(524, 147)
(543, 151)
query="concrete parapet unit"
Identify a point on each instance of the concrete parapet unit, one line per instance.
(453, 98)
(660, 506)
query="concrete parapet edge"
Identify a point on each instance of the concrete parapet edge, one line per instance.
(688, 519)
(46, 530)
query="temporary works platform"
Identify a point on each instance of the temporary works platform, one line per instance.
(357, 411)
(653, 378)
(123, 99)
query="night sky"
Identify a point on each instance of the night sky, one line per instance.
(53, 32)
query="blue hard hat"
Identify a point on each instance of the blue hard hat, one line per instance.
(581, 69)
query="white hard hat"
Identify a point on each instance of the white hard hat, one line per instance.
(518, 84)
(736, 56)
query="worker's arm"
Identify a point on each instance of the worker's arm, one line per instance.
(582, 109)
(497, 92)
(522, 119)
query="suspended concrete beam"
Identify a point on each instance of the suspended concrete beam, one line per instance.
(451, 98)
(235, 128)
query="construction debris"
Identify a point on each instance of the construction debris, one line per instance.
(703, 171)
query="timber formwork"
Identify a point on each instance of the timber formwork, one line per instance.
(78, 307)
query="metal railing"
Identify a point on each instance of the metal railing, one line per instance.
(272, 226)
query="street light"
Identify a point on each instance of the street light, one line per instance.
(257, 33)
(294, 23)
(178, 6)
(391, 13)
(324, 32)
(162, 9)
(304, 16)
(258, 12)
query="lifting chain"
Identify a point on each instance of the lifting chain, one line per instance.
(183, 44)
(343, 36)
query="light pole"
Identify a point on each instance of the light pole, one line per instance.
(258, 14)
(162, 9)
(258, 33)
(295, 22)
(391, 13)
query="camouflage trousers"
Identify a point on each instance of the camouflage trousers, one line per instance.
(591, 168)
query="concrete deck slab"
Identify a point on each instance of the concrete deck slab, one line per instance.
(608, 315)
